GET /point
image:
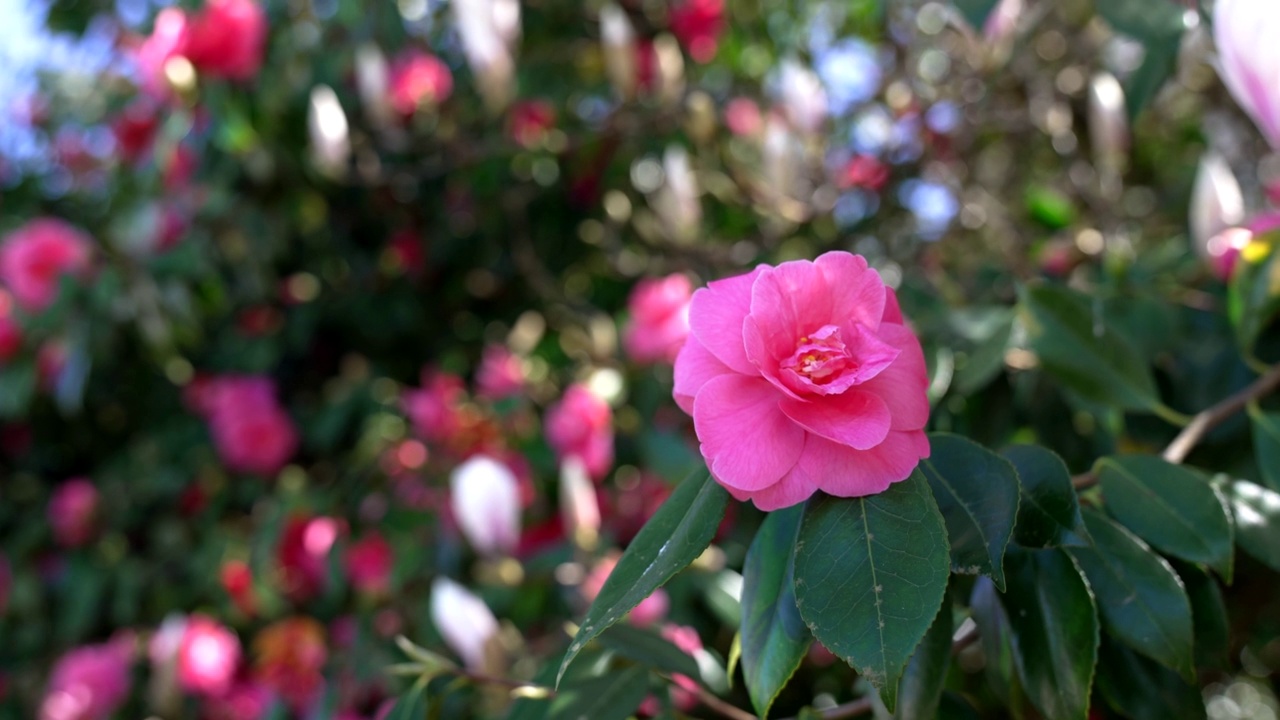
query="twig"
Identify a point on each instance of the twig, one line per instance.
(853, 708)
(1202, 423)
(724, 708)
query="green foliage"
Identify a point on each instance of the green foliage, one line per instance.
(920, 691)
(614, 696)
(1048, 512)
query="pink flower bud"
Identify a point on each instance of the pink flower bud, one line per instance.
(697, 24)
(659, 321)
(581, 425)
(208, 656)
(90, 682)
(1003, 20)
(463, 620)
(529, 121)
(485, 497)
(1245, 32)
(433, 411)
(742, 117)
(1217, 205)
(227, 39)
(579, 506)
(303, 554)
(250, 430)
(73, 511)
(418, 79)
(368, 564)
(167, 40)
(501, 373)
(35, 257)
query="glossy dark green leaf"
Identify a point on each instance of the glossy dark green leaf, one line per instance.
(1144, 690)
(1141, 599)
(1158, 65)
(1143, 19)
(1266, 444)
(921, 686)
(612, 696)
(976, 11)
(953, 706)
(674, 537)
(774, 638)
(996, 638)
(1055, 630)
(1048, 512)
(1173, 508)
(1251, 301)
(648, 649)
(1081, 350)
(1208, 615)
(1257, 512)
(977, 492)
(870, 576)
(988, 331)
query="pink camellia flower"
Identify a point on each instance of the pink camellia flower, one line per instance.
(166, 41)
(73, 511)
(697, 24)
(417, 78)
(368, 563)
(743, 118)
(303, 554)
(246, 700)
(10, 330)
(804, 377)
(208, 656)
(227, 39)
(433, 410)
(250, 430)
(651, 610)
(659, 321)
(581, 425)
(500, 375)
(89, 682)
(529, 120)
(1245, 32)
(34, 258)
(485, 498)
(464, 621)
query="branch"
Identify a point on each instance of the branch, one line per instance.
(733, 712)
(1203, 422)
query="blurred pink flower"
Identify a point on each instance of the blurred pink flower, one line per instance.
(804, 377)
(659, 321)
(237, 579)
(10, 330)
(250, 430)
(135, 128)
(433, 409)
(651, 610)
(485, 499)
(35, 257)
(742, 117)
(166, 41)
(501, 373)
(1249, 59)
(208, 657)
(227, 39)
(73, 511)
(463, 620)
(684, 689)
(246, 700)
(581, 425)
(528, 121)
(579, 504)
(697, 24)
(418, 78)
(407, 252)
(368, 563)
(303, 554)
(290, 657)
(89, 683)
(1003, 20)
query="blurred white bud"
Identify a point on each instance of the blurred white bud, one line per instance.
(799, 92)
(463, 620)
(619, 40)
(485, 498)
(1217, 204)
(330, 136)
(1002, 21)
(677, 201)
(371, 83)
(1108, 124)
(489, 30)
(1246, 33)
(669, 60)
(579, 508)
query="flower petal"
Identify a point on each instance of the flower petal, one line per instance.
(715, 318)
(695, 365)
(903, 385)
(787, 302)
(747, 441)
(857, 292)
(844, 472)
(855, 418)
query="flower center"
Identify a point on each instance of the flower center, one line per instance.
(820, 357)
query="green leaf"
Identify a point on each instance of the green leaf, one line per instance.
(1208, 615)
(1266, 444)
(1142, 600)
(774, 638)
(1143, 19)
(613, 696)
(921, 687)
(1257, 512)
(1055, 630)
(989, 333)
(975, 12)
(1048, 512)
(1078, 347)
(1174, 509)
(1143, 690)
(648, 649)
(674, 537)
(412, 705)
(17, 387)
(977, 492)
(1253, 299)
(870, 576)
(1158, 65)
(996, 638)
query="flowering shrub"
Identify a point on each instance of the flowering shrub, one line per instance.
(513, 359)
